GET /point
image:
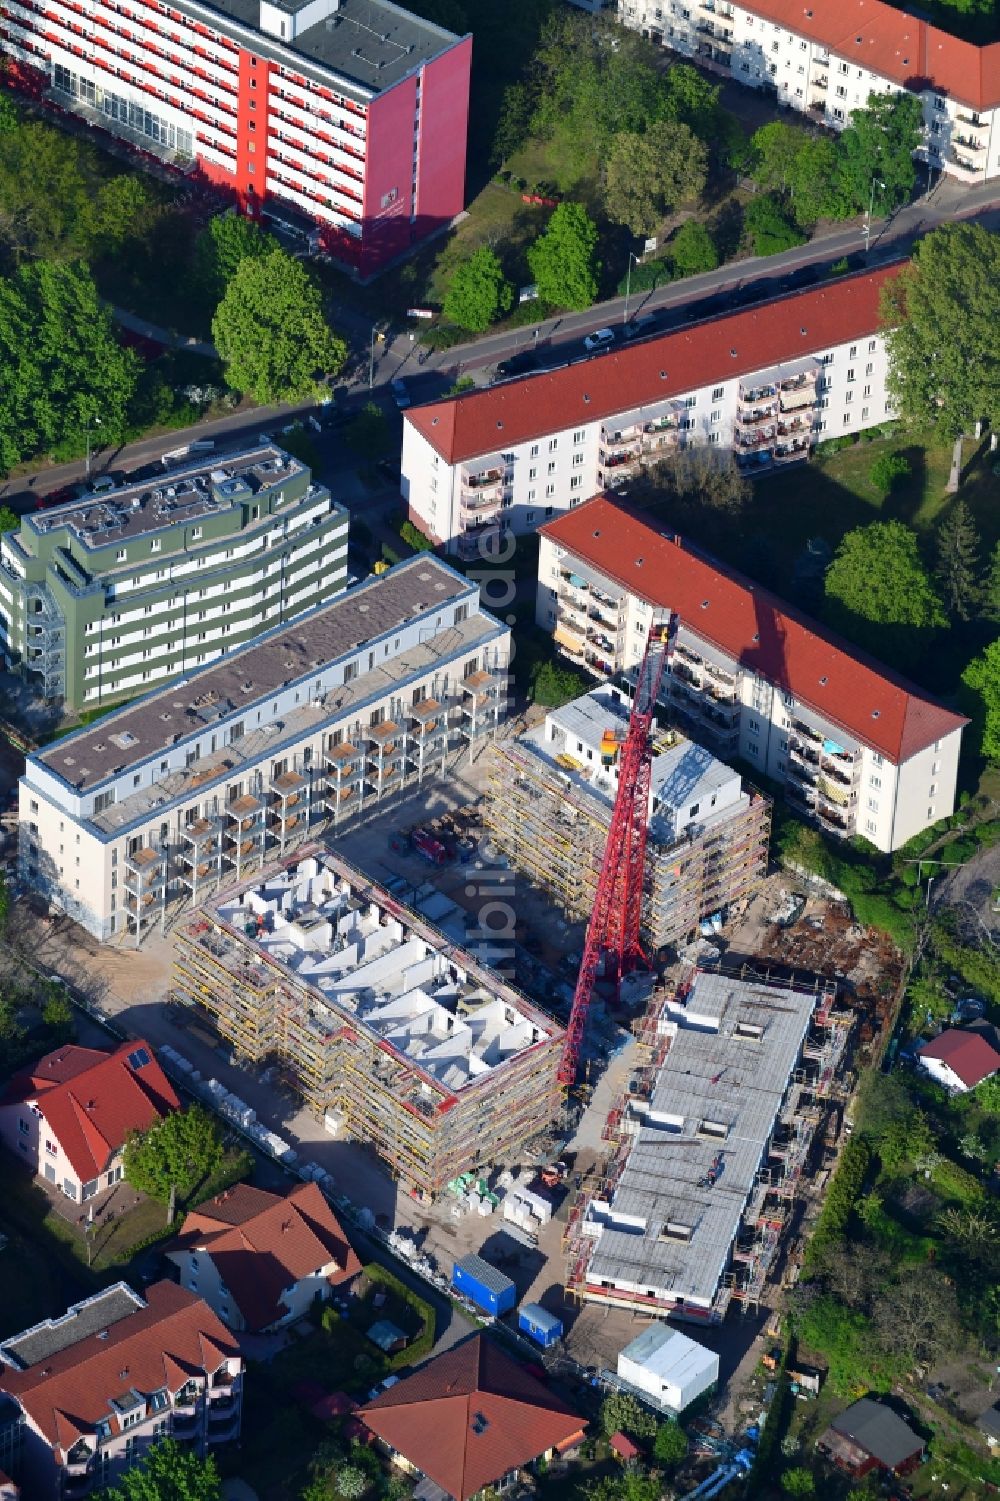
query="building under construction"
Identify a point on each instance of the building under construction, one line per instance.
(387, 1030)
(708, 1147)
(550, 800)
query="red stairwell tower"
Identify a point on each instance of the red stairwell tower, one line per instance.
(613, 930)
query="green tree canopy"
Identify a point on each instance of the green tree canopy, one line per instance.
(174, 1156)
(223, 245)
(887, 471)
(647, 174)
(693, 250)
(48, 183)
(121, 208)
(879, 593)
(9, 118)
(564, 261)
(169, 1472)
(815, 184)
(9, 520)
(876, 150)
(768, 227)
(623, 1413)
(943, 311)
(62, 364)
(478, 292)
(775, 148)
(368, 432)
(670, 1445)
(982, 680)
(957, 568)
(798, 1481)
(271, 333)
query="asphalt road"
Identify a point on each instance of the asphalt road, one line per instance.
(428, 374)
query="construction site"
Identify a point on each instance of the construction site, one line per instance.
(550, 801)
(391, 1034)
(707, 1147)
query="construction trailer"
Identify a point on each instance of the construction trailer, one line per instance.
(387, 1030)
(550, 799)
(707, 1149)
(480, 1281)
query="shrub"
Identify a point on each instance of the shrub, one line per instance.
(888, 470)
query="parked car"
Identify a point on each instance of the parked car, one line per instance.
(600, 339)
(518, 364)
(400, 394)
(643, 324)
(55, 497)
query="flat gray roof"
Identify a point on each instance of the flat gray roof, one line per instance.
(78, 1323)
(371, 43)
(710, 1074)
(153, 724)
(201, 488)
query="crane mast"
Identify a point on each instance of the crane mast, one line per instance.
(613, 930)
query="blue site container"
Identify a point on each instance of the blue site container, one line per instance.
(484, 1285)
(540, 1325)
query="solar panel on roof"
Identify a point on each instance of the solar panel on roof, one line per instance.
(139, 1058)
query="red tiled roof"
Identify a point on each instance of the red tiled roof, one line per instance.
(763, 633)
(161, 1345)
(966, 1053)
(886, 40)
(92, 1099)
(470, 1416)
(261, 1243)
(790, 328)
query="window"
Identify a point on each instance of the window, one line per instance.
(551, 468)
(550, 489)
(195, 533)
(575, 482)
(718, 393)
(533, 472)
(579, 435)
(534, 451)
(690, 401)
(23, 1127)
(853, 351)
(553, 444)
(873, 804)
(120, 555)
(874, 781)
(577, 460)
(850, 373)
(156, 544)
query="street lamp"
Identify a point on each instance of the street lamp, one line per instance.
(876, 182)
(632, 258)
(96, 422)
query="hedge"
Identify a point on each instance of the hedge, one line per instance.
(841, 1197)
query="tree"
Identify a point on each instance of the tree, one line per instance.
(350, 1482)
(775, 149)
(47, 188)
(57, 1010)
(815, 183)
(368, 432)
(693, 250)
(478, 292)
(623, 1413)
(169, 1472)
(223, 245)
(670, 1445)
(647, 175)
(553, 685)
(942, 312)
(9, 520)
(61, 361)
(513, 123)
(887, 470)
(876, 151)
(698, 486)
(957, 570)
(692, 100)
(122, 207)
(271, 334)
(982, 680)
(564, 260)
(768, 226)
(879, 593)
(991, 587)
(10, 120)
(173, 1156)
(798, 1482)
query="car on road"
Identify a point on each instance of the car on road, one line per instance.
(644, 323)
(55, 497)
(518, 364)
(400, 394)
(599, 339)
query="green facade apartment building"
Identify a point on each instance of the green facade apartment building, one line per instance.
(107, 596)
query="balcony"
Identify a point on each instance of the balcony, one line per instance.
(799, 393)
(791, 453)
(754, 416)
(478, 540)
(806, 731)
(758, 395)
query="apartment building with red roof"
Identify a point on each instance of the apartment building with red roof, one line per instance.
(826, 58)
(261, 1259)
(766, 383)
(68, 1115)
(86, 1394)
(471, 1418)
(856, 748)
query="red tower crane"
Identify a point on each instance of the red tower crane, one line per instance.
(613, 929)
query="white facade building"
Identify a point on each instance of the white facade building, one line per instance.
(667, 1368)
(855, 747)
(203, 780)
(826, 59)
(767, 383)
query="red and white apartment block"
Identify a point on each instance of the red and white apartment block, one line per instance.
(345, 119)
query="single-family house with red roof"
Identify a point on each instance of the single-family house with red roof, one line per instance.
(68, 1115)
(260, 1259)
(959, 1058)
